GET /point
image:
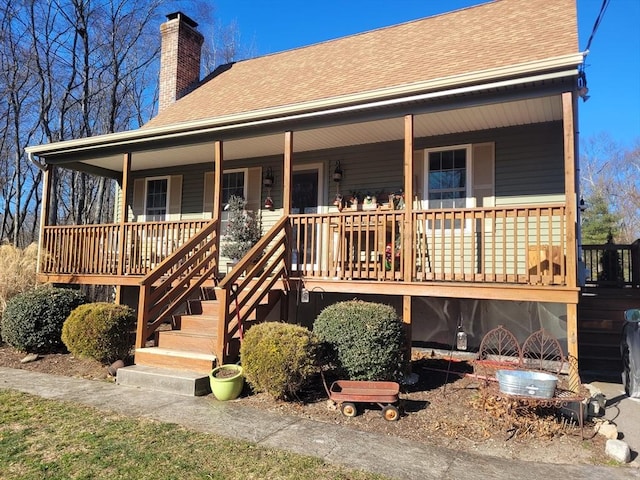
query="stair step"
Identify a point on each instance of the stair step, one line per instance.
(183, 382)
(175, 359)
(187, 341)
(207, 307)
(197, 323)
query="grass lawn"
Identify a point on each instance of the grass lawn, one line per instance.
(46, 439)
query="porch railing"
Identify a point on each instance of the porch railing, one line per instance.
(250, 281)
(612, 265)
(493, 245)
(98, 249)
(175, 280)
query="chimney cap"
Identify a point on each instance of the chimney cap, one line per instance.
(183, 18)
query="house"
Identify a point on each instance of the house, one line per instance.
(430, 165)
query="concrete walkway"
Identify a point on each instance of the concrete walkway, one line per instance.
(390, 456)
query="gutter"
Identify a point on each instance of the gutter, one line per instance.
(391, 96)
(30, 156)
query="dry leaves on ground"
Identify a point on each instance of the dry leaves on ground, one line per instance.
(445, 408)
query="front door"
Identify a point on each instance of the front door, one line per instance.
(305, 191)
(305, 199)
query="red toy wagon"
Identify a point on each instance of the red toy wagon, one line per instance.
(349, 392)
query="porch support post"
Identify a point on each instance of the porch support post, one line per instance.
(44, 210)
(124, 217)
(216, 214)
(572, 329)
(406, 320)
(571, 202)
(287, 180)
(407, 237)
(288, 172)
(570, 186)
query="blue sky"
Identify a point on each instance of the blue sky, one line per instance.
(612, 66)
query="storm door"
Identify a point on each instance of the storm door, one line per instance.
(305, 199)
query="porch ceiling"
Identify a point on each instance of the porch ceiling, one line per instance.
(450, 121)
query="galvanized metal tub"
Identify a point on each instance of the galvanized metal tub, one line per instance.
(527, 383)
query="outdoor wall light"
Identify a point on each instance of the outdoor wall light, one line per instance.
(582, 87)
(337, 173)
(582, 205)
(267, 181)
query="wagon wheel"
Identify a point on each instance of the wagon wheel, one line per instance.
(391, 413)
(349, 409)
(542, 351)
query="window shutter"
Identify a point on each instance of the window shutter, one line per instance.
(254, 189)
(138, 199)
(175, 197)
(207, 201)
(484, 174)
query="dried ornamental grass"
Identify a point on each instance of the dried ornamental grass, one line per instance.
(17, 271)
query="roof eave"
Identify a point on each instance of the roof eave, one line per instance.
(556, 67)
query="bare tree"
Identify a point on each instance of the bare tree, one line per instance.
(72, 69)
(609, 180)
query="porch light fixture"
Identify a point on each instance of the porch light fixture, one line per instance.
(267, 181)
(582, 86)
(337, 173)
(582, 205)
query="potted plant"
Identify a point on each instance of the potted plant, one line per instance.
(226, 381)
(244, 229)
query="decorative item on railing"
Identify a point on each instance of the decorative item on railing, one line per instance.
(267, 182)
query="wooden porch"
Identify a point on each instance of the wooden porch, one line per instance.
(517, 245)
(514, 252)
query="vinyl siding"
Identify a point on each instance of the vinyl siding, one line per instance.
(529, 169)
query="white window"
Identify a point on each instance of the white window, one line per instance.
(156, 199)
(447, 182)
(234, 182)
(447, 177)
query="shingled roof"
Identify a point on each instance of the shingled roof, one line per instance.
(484, 37)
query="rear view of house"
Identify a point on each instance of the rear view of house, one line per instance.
(430, 165)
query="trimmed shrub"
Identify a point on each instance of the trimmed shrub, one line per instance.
(101, 331)
(362, 340)
(32, 321)
(278, 358)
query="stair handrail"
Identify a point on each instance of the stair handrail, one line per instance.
(264, 264)
(175, 279)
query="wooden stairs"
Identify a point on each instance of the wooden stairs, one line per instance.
(190, 344)
(180, 359)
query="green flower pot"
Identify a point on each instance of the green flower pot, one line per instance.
(226, 381)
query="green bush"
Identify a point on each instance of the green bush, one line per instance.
(32, 321)
(362, 340)
(101, 331)
(278, 358)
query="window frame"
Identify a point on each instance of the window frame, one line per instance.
(224, 215)
(468, 194)
(146, 195)
(245, 173)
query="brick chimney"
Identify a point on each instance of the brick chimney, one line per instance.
(179, 58)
